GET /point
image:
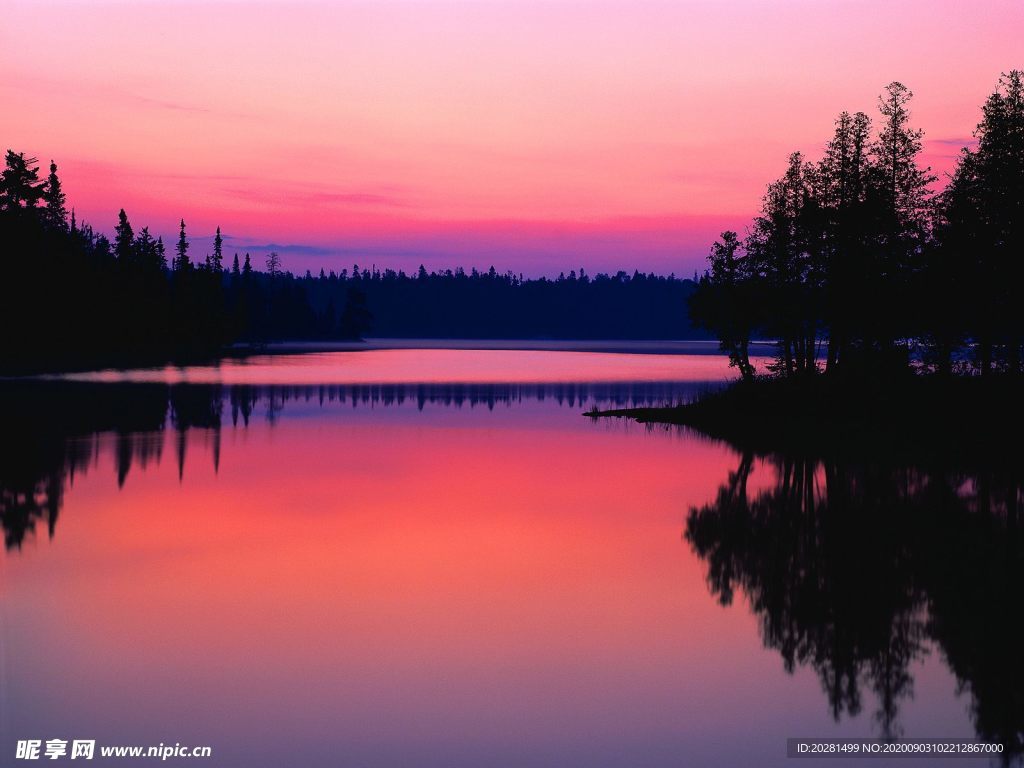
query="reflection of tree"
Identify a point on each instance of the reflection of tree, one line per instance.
(976, 592)
(853, 569)
(51, 430)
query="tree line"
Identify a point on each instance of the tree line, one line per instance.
(856, 265)
(72, 297)
(504, 305)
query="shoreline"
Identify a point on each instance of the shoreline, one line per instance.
(973, 419)
(623, 346)
(700, 347)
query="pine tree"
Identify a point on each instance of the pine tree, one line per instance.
(902, 184)
(19, 182)
(124, 239)
(161, 253)
(273, 264)
(983, 213)
(181, 262)
(145, 248)
(54, 199)
(217, 262)
(840, 185)
(247, 268)
(901, 217)
(234, 267)
(779, 248)
(721, 302)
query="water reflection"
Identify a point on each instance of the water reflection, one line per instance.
(53, 430)
(855, 569)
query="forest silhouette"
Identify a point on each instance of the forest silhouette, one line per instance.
(72, 298)
(857, 266)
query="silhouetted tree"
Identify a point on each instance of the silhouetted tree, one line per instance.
(217, 261)
(855, 252)
(19, 182)
(124, 238)
(273, 264)
(54, 200)
(725, 304)
(984, 224)
(840, 184)
(181, 262)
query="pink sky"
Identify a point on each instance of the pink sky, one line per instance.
(535, 136)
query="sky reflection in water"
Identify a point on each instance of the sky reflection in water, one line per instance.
(433, 574)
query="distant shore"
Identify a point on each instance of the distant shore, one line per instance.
(700, 347)
(623, 346)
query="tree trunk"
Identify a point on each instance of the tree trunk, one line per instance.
(746, 369)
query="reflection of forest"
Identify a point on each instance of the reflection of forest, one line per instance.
(51, 430)
(856, 569)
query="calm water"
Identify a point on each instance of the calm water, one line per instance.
(412, 557)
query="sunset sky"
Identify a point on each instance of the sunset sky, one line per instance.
(534, 136)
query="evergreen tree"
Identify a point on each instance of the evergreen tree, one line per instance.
(54, 200)
(181, 262)
(124, 239)
(273, 264)
(723, 302)
(902, 183)
(780, 250)
(19, 182)
(983, 217)
(841, 183)
(247, 268)
(234, 267)
(217, 262)
(145, 248)
(161, 254)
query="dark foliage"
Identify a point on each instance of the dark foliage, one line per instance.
(70, 298)
(858, 568)
(493, 305)
(856, 267)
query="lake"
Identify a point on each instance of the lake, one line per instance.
(431, 558)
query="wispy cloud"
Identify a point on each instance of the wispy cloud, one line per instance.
(297, 249)
(955, 141)
(298, 194)
(111, 94)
